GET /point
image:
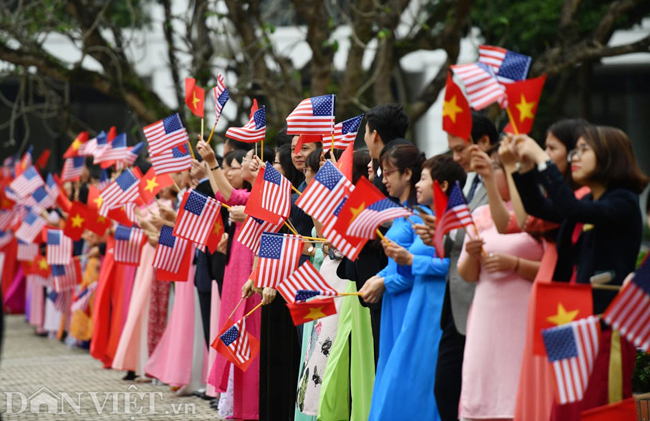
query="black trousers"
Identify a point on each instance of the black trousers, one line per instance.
(449, 371)
(205, 304)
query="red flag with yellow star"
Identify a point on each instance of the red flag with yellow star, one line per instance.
(194, 97)
(76, 222)
(38, 267)
(151, 184)
(559, 303)
(215, 234)
(523, 99)
(345, 162)
(456, 114)
(363, 195)
(78, 145)
(95, 222)
(303, 312)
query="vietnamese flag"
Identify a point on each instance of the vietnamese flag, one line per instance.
(559, 303)
(96, 223)
(215, 235)
(311, 310)
(456, 113)
(76, 222)
(523, 99)
(39, 267)
(151, 184)
(77, 144)
(345, 163)
(41, 162)
(223, 349)
(5, 202)
(119, 215)
(194, 97)
(620, 411)
(363, 195)
(307, 138)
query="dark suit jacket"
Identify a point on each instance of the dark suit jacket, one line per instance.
(609, 240)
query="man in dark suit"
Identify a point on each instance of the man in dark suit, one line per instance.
(459, 294)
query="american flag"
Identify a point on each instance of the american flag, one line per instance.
(72, 168)
(572, 349)
(60, 300)
(366, 222)
(6, 216)
(221, 96)
(116, 150)
(52, 187)
(129, 210)
(457, 215)
(250, 234)
(344, 133)
(253, 131)
(312, 116)
(11, 195)
(196, 216)
(176, 159)
(165, 134)
(6, 166)
(5, 238)
(27, 182)
(96, 145)
(39, 200)
(481, 84)
(128, 244)
(170, 251)
(82, 299)
(308, 278)
(2, 264)
(59, 248)
(237, 341)
(325, 192)
(276, 192)
(278, 258)
(630, 311)
(133, 153)
(104, 180)
(124, 189)
(348, 247)
(507, 65)
(26, 252)
(66, 277)
(30, 228)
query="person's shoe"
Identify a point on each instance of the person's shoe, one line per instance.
(130, 375)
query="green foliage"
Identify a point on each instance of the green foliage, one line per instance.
(641, 376)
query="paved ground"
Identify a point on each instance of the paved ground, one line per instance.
(77, 385)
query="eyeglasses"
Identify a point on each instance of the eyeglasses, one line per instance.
(385, 174)
(578, 151)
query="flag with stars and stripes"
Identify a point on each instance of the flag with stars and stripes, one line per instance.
(306, 278)
(6, 216)
(59, 248)
(572, 349)
(96, 145)
(221, 96)
(66, 277)
(30, 227)
(507, 65)
(250, 234)
(278, 258)
(238, 343)
(345, 133)
(170, 251)
(367, 221)
(312, 116)
(81, 301)
(104, 180)
(176, 159)
(128, 244)
(123, 190)
(481, 84)
(253, 131)
(116, 150)
(39, 200)
(72, 168)
(270, 198)
(196, 217)
(60, 300)
(456, 215)
(5, 238)
(26, 252)
(52, 187)
(27, 182)
(132, 155)
(325, 192)
(165, 134)
(629, 312)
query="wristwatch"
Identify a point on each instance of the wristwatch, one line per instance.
(310, 250)
(544, 165)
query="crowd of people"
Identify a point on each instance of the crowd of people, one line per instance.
(432, 335)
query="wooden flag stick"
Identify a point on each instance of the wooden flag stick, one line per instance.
(332, 150)
(212, 132)
(296, 190)
(606, 287)
(253, 310)
(512, 121)
(202, 123)
(236, 307)
(179, 189)
(382, 236)
(189, 145)
(290, 228)
(347, 294)
(262, 151)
